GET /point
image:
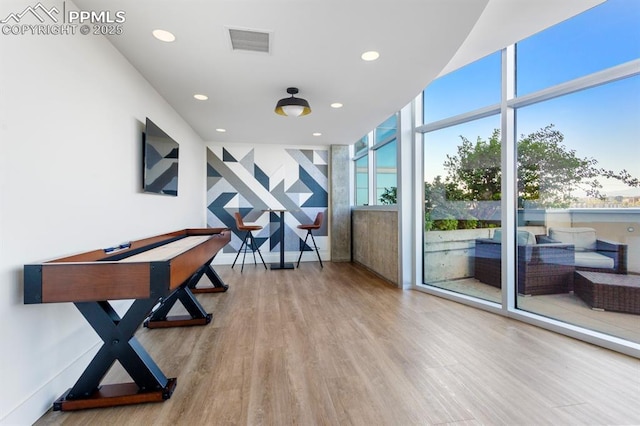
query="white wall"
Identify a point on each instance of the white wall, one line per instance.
(71, 115)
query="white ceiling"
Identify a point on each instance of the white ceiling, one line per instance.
(316, 46)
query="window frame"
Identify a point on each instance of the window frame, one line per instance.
(371, 151)
(507, 109)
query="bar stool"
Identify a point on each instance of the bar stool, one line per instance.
(248, 239)
(309, 227)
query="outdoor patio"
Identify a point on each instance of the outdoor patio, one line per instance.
(570, 261)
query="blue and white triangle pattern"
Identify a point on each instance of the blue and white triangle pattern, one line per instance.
(253, 179)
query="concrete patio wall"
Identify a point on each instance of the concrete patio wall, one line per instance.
(448, 255)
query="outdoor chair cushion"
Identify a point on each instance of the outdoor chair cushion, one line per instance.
(583, 239)
(590, 259)
(524, 237)
(591, 253)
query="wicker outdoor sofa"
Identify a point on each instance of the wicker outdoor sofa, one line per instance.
(543, 267)
(546, 264)
(592, 254)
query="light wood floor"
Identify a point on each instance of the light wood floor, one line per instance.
(338, 346)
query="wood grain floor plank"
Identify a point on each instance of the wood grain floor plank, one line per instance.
(339, 346)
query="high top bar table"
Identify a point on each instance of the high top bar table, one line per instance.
(282, 264)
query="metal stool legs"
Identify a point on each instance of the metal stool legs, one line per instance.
(315, 246)
(253, 248)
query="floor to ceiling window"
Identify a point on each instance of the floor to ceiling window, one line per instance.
(462, 204)
(572, 170)
(572, 126)
(462, 176)
(578, 170)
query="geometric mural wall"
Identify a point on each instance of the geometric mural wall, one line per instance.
(250, 179)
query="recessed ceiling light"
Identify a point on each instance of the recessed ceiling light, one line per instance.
(336, 105)
(221, 130)
(163, 35)
(371, 55)
(317, 134)
(200, 97)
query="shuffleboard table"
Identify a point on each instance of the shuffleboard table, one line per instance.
(155, 273)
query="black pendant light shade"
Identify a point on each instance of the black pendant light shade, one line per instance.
(292, 107)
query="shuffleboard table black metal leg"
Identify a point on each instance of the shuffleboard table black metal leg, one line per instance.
(150, 384)
(191, 304)
(185, 294)
(161, 312)
(218, 285)
(197, 315)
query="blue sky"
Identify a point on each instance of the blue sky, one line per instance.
(599, 38)
(603, 122)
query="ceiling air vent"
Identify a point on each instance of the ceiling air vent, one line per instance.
(249, 40)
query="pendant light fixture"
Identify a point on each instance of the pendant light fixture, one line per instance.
(292, 107)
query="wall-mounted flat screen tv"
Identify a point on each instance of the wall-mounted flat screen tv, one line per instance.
(160, 156)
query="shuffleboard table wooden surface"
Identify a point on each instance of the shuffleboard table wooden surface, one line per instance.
(155, 273)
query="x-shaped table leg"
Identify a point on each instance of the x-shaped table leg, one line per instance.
(121, 345)
(185, 294)
(218, 285)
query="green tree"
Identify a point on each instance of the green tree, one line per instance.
(475, 172)
(389, 196)
(549, 174)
